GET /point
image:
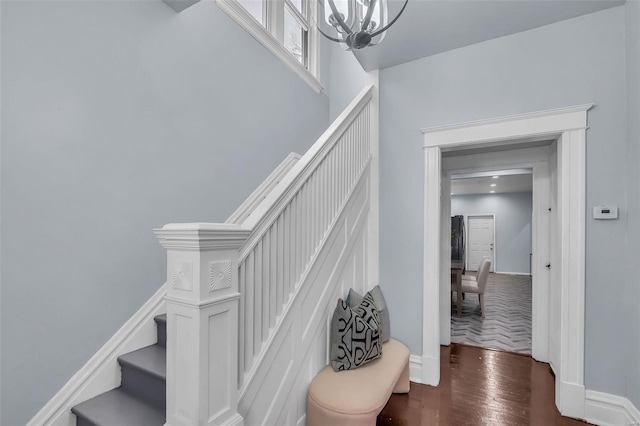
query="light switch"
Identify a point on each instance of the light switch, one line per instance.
(605, 212)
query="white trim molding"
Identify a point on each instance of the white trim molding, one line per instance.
(543, 123)
(567, 126)
(373, 79)
(609, 410)
(524, 274)
(431, 287)
(239, 14)
(415, 368)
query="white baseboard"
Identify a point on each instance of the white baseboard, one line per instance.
(235, 420)
(513, 273)
(102, 372)
(571, 401)
(430, 370)
(609, 410)
(633, 412)
(415, 368)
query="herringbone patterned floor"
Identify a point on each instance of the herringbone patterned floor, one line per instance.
(507, 322)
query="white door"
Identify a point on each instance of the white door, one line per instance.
(554, 265)
(480, 241)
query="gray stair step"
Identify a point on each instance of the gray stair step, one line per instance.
(118, 407)
(144, 374)
(161, 324)
(152, 359)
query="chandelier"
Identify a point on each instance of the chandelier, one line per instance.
(358, 23)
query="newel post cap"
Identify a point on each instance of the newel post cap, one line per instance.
(202, 236)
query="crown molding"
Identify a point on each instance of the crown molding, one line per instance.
(509, 118)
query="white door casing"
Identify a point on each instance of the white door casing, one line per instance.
(568, 126)
(554, 289)
(480, 240)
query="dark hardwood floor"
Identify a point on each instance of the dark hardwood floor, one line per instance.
(480, 387)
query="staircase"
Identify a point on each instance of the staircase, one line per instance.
(141, 399)
(248, 301)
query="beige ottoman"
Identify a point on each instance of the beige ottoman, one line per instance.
(356, 397)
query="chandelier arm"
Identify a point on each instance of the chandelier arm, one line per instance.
(338, 18)
(367, 18)
(329, 37)
(392, 22)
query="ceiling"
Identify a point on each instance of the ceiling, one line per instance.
(520, 180)
(428, 27)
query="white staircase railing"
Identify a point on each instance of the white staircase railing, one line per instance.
(229, 286)
(287, 235)
(246, 209)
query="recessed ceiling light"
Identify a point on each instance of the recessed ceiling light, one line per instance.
(495, 177)
(493, 184)
(452, 193)
(492, 192)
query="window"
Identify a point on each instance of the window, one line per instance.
(255, 8)
(285, 28)
(296, 33)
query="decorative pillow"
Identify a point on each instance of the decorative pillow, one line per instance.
(355, 335)
(354, 299)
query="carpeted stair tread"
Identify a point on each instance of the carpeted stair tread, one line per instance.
(117, 407)
(152, 360)
(161, 318)
(141, 398)
(161, 323)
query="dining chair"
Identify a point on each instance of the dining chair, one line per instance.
(478, 286)
(474, 277)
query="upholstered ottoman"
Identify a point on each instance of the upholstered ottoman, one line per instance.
(356, 397)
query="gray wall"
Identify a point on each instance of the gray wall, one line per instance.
(347, 79)
(633, 195)
(512, 212)
(120, 117)
(572, 62)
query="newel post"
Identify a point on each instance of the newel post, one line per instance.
(202, 322)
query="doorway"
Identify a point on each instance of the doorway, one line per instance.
(497, 207)
(530, 160)
(568, 127)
